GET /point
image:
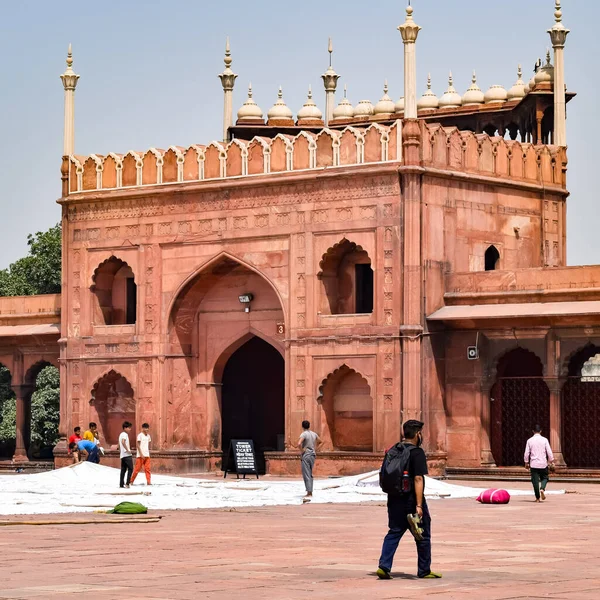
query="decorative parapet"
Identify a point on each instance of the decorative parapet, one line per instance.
(239, 158)
(452, 149)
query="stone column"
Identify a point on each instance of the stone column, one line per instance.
(330, 79)
(69, 80)
(555, 433)
(227, 78)
(487, 458)
(409, 31)
(412, 318)
(558, 36)
(21, 392)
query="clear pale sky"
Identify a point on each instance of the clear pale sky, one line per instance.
(149, 78)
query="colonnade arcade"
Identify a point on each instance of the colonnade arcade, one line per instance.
(554, 383)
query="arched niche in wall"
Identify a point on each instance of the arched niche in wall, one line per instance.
(115, 291)
(492, 258)
(346, 279)
(347, 409)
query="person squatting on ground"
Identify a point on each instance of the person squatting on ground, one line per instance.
(307, 444)
(402, 477)
(84, 448)
(537, 456)
(125, 453)
(142, 460)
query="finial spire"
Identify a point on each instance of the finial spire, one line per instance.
(558, 37)
(330, 80)
(69, 79)
(227, 78)
(330, 50)
(409, 31)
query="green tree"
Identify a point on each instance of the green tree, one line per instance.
(45, 408)
(8, 408)
(40, 271)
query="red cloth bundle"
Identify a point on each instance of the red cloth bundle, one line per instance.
(494, 496)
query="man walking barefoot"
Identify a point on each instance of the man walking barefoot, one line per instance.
(537, 456)
(406, 496)
(142, 460)
(307, 443)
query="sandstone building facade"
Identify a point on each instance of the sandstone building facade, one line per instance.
(403, 260)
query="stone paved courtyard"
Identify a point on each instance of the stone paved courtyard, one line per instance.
(518, 551)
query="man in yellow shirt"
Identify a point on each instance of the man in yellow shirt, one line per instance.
(92, 433)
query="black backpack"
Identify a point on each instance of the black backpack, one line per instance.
(395, 464)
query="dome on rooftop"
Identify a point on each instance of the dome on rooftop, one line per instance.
(496, 94)
(473, 95)
(364, 109)
(546, 73)
(518, 90)
(344, 110)
(280, 110)
(428, 100)
(249, 110)
(451, 98)
(386, 105)
(310, 111)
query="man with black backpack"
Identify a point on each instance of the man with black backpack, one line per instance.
(402, 478)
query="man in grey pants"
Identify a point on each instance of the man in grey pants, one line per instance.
(306, 444)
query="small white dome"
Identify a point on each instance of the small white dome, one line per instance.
(386, 105)
(400, 105)
(428, 100)
(280, 109)
(473, 95)
(518, 90)
(496, 93)
(546, 73)
(363, 109)
(344, 110)
(249, 110)
(451, 98)
(310, 111)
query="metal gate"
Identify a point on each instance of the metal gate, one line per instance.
(519, 404)
(581, 423)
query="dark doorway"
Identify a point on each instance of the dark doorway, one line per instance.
(520, 400)
(252, 400)
(364, 288)
(492, 257)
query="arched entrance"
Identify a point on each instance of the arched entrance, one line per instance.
(581, 410)
(520, 400)
(252, 396)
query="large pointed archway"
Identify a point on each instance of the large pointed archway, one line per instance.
(227, 376)
(253, 396)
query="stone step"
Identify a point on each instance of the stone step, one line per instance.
(33, 466)
(520, 474)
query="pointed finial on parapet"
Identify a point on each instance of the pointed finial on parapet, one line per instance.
(558, 33)
(409, 31)
(558, 37)
(330, 50)
(330, 80)
(227, 77)
(69, 78)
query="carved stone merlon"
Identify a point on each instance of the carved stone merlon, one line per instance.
(330, 79)
(227, 78)
(409, 31)
(558, 36)
(69, 79)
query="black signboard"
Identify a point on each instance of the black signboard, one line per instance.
(241, 459)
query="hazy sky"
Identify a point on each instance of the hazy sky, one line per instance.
(149, 78)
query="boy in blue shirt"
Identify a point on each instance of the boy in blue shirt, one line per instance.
(85, 448)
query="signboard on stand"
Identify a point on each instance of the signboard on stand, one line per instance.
(241, 459)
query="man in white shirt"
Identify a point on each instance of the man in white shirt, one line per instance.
(125, 452)
(143, 454)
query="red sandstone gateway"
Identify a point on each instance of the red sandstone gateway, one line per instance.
(356, 269)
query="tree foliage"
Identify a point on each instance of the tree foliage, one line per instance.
(45, 408)
(40, 271)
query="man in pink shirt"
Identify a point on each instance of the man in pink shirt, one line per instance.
(537, 456)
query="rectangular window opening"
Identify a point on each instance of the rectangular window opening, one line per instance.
(131, 301)
(364, 288)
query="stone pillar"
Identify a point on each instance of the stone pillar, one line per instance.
(487, 458)
(330, 79)
(558, 36)
(21, 392)
(555, 433)
(409, 31)
(227, 78)
(412, 319)
(69, 79)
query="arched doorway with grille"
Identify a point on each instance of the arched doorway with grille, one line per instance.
(520, 400)
(581, 410)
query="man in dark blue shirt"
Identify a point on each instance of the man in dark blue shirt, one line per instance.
(89, 448)
(401, 505)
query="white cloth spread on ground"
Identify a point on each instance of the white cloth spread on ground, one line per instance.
(86, 487)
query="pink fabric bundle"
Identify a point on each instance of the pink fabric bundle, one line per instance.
(494, 496)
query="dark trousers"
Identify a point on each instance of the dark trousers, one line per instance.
(93, 455)
(539, 476)
(126, 466)
(398, 508)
